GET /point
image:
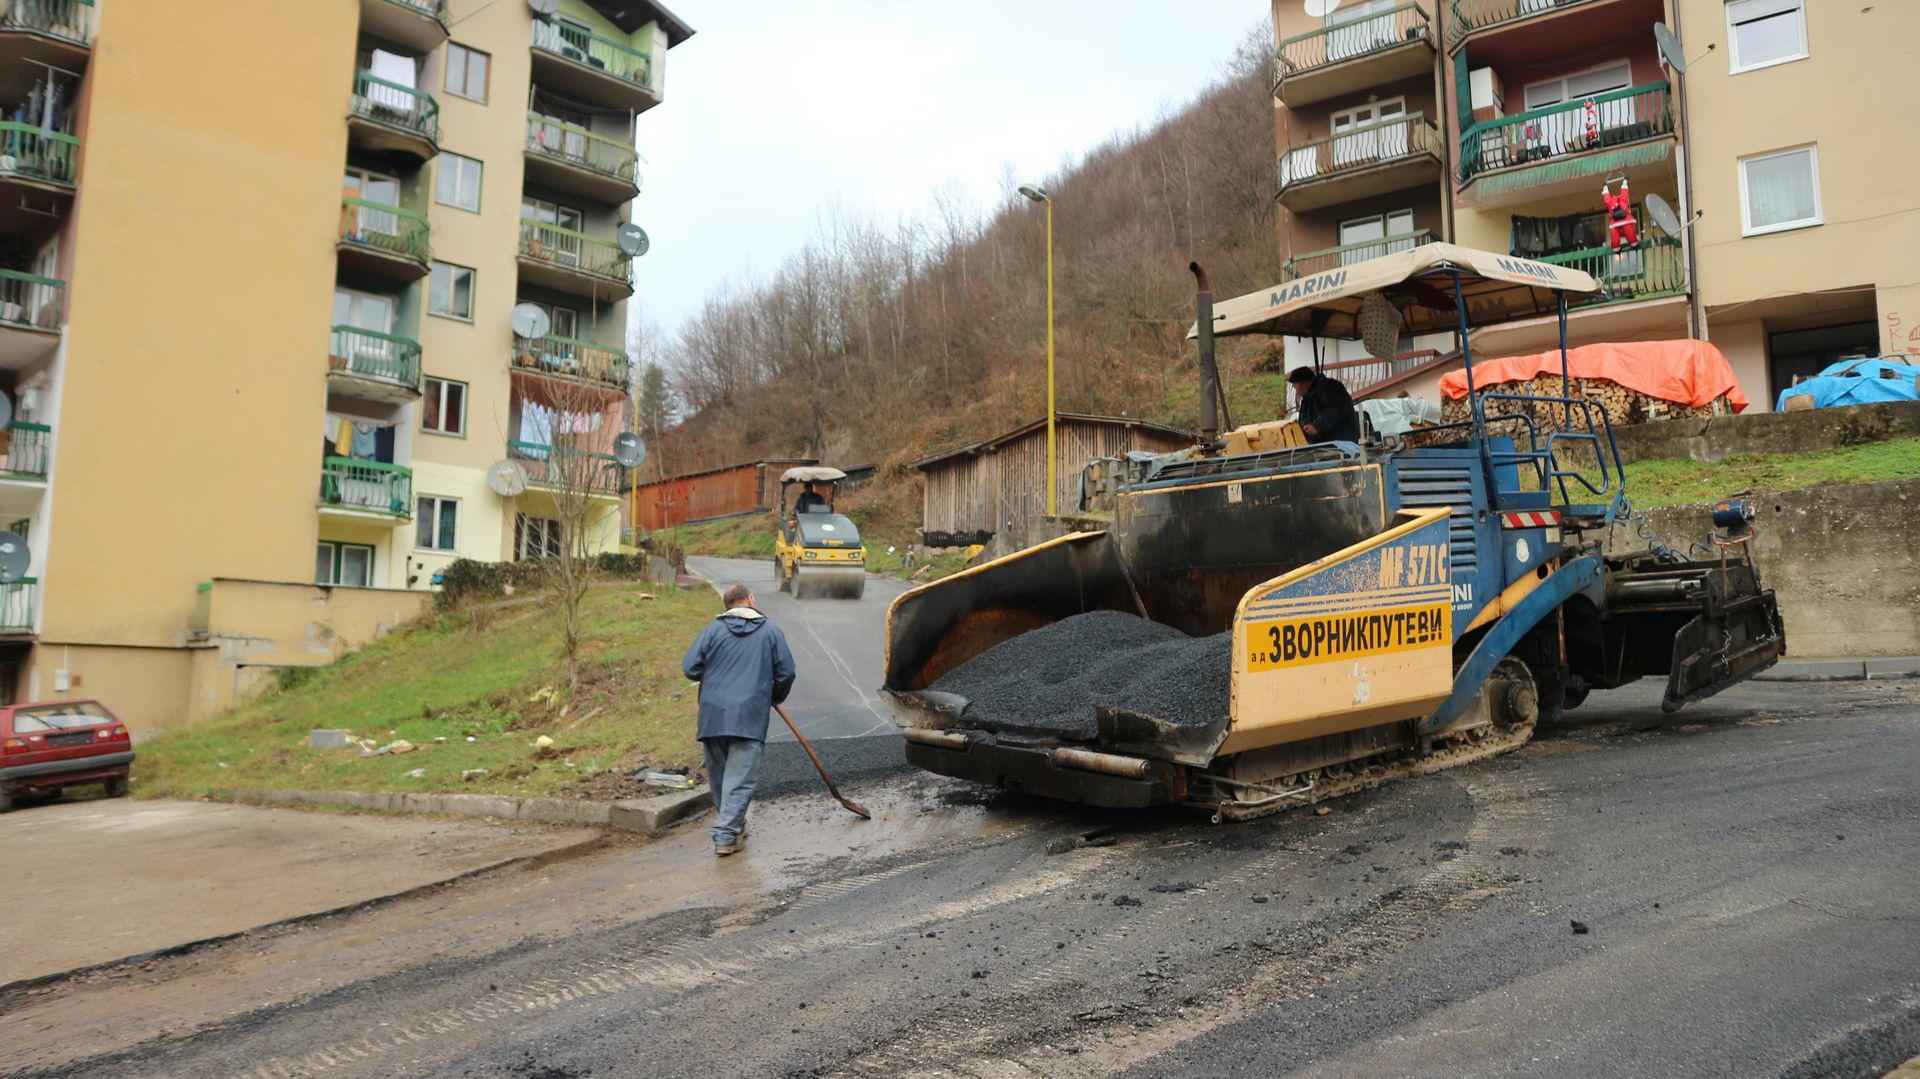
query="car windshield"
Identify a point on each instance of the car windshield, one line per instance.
(59, 717)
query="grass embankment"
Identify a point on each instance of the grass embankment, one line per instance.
(1673, 483)
(1251, 398)
(485, 689)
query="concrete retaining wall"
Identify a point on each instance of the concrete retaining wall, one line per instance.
(1719, 438)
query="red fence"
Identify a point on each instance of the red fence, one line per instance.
(703, 495)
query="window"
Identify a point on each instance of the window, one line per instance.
(457, 181)
(1763, 33)
(444, 408)
(1616, 75)
(434, 523)
(467, 72)
(450, 292)
(1780, 191)
(535, 537)
(564, 320)
(375, 188)
(343, 563)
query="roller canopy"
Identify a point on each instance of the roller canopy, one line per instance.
(812, 474)
(1418, 282)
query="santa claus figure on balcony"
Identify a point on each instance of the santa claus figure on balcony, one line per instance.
(1623, 230)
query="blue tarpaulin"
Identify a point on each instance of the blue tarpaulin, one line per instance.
(1859, 382)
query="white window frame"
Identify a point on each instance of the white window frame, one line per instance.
(1747, 228)
(337, 558)
(550, 538)
(466, 53)
(442, 172)
(473, 290)
(1734, 66)
(436, 384)
(1564, 82)
(434, 519)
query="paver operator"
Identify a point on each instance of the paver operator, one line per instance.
(1326, 409)
(744, 668)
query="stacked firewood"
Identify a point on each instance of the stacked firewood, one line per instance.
(1622, 405)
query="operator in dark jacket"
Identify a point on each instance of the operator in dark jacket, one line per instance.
(1326, 409)
(744, 668)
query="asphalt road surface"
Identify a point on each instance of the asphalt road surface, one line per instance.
(1727, 891)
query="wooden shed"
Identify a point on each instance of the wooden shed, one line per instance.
(995, 491)
(716, 492)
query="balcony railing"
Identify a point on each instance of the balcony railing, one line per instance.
(1473, 15)
(26, 449)
(396, 105)
(31, 302)
(64, 19)
(572, 358)
(577, 146)
(435, 8)
(565, 247)
(31, 153)
(370, 486)
(566, 467)
(584, 47)
(1616, 118)
(1656, 268)
(1328, 258)
(384, 228)
(1344, 41)
(18, 602)
(1358, 148)
(372, 354)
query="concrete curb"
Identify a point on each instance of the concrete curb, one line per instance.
(1842, 669)
(648, 815)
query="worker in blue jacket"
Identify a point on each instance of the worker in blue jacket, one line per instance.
(744, 668)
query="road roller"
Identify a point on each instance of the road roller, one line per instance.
(817, 552)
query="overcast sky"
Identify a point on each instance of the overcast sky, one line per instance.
(778, 110)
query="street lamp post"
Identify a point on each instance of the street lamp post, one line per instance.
(1039, 194)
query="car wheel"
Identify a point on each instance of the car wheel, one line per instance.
(117, 787)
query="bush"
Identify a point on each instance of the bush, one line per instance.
(466, 579)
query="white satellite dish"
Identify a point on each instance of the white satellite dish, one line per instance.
(507, 477)
(544, 7)
(632, 239)
(1669, 47)
(14, 557)
(628, 450)
(1663, 216)
(529, 321)
(1320, 9)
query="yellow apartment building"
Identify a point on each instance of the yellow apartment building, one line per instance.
(257, 317)
(1504, 124)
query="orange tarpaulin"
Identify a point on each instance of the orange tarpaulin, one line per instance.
(1686, 372)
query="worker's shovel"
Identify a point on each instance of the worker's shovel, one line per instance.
(852, 806)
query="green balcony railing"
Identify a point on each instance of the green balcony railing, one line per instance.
(1616, 118)
(32, 302)
(572, 358)
(557, 141)
(1356, 37)
(31, 153)
(372, 354)
(435, 8)
(19, 600)
(65, 19)
(566, 467)
(384, 228)
(372, 486)
(582, 46)
(1357, 148)
(396, 105)
(1312, 262)
(1656, 268)
(1470, 16)
(577, 250)
(26, 449)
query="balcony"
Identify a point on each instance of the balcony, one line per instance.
(419, 25)
(1331, 258)
(579, 162)
(19, 603)
(566, 357)
(32, 310)
(37, 158)
(1472, 16)
(350, 487)
(384, 240)
(1563, 149)
(1324, 63)
(56, 33)
(592, 69)
(389, 118)
(566, 468)
(573, 262)
(1359, 163)
(1656, 269)
(26, 451)
(373, 366)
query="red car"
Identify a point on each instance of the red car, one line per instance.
(48, 745)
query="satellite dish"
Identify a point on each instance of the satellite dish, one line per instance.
(629, 450)
(544, 7)
(1320, 9)
(529, 321)
(632, 239)
(1663, 216)
(14, 557)
(507, 477)
(1669, 47)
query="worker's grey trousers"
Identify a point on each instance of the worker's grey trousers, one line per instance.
(732, 765)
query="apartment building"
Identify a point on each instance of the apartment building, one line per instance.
(1507, 124)
(256, 316)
